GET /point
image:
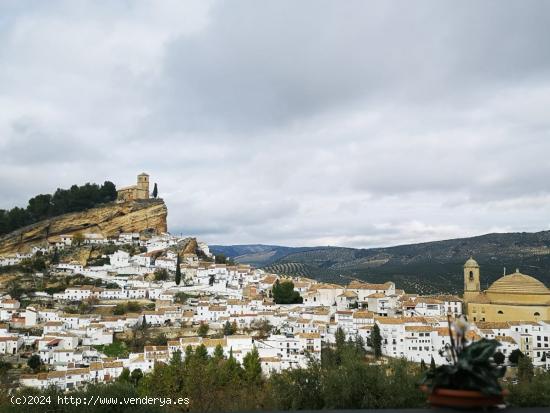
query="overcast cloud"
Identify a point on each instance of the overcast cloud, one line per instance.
(298, 123)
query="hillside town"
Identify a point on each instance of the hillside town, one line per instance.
(156, 295)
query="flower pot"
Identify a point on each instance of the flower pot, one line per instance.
(462, 399)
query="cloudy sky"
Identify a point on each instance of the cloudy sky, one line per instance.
(299, 123)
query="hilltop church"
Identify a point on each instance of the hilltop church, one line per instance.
(138, 191)
(513, 297)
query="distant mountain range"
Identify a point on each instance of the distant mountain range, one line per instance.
(423, 268)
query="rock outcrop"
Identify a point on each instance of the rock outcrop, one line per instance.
(108, 220)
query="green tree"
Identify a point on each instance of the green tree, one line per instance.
(359, 345)
(107, 192)
(77, 198)
(124, 376)
(423, 366)
(178, 271)
(499, 358)
(155, 191)
(160, 340)
(201, 353)
(227, 329)
(39, 264)
(340, 338)
(133, 307)
(222, 259)
(119, 309)
(263, 327)
(203, 330)
(181, 297)
(252, 366)
(218, 352)
(14, 289)
(532, 393)
(376, 341)
(136, 376)
(432, 364)
(55, 256)
(526, 371)
(161, 274)
(515, 355)
(283, 293)
(34, 362)
(116, 349)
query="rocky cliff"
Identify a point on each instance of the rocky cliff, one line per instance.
(108, 220)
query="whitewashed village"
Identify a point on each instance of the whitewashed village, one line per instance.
(217, 305)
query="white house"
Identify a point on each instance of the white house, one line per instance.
(119, 258)
(9, 344)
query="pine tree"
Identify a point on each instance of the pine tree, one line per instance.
(227, 330)
(178, 271)
(201, 353)
(376, 341)
(423, 366)
(176, 361)
(432, 364)
(218, 352)
(252, 366)
(155, 191)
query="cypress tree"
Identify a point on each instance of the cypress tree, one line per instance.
(178, 271)
(155, 191)
(376, 341)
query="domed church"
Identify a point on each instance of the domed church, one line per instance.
(514, 297)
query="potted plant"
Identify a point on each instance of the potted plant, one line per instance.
(471, 379)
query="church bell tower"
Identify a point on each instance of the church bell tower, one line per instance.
(471, 279)
(143, 186)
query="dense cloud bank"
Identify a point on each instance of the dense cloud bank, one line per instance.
(310, 123)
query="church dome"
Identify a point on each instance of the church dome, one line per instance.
(471, 263)
(518, 283)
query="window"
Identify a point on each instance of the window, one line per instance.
(500, 312)
(471, 276)
(537, 314)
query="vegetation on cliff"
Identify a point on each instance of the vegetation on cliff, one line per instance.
(108, 220)
(43, 206)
